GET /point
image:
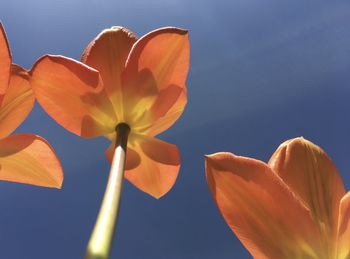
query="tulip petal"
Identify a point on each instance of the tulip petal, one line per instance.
(151, 116)
(165, 53)
(311, 174)
(344, 228)
(152, 165)
(107, 53)
(260, 209)
(26, 158)
(132, 159)
(166, 121)
(5, 61)
(72, 93)
(157, 61)
(17, 102)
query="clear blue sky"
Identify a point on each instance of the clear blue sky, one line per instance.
(261, 72)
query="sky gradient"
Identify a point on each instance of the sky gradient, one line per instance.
(261, 72)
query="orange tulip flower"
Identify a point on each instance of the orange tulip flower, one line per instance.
(293, 207)
(124, 88)
(24, 158)
(122, 79)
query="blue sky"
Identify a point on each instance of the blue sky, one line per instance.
(261, 72)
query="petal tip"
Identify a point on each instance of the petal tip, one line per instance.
(209, 157)
(175, 29)
(122, 29)
(59, 186)
(216, 160)
(298, 141)
(157, 196)
(46, 56)
(218, 156)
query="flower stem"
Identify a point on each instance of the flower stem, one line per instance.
(101, 238)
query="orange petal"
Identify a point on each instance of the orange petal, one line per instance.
(164, 122)
(107, 53)
(26, 158)
(152, 165)
(310, 173)
(5, 61)
(165, 53)
(17, 103)
(344, 228)
(132, 158)
(151, 116)
(260, 209)
(158, 61)
(72, 93)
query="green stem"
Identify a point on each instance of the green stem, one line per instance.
(101, 238)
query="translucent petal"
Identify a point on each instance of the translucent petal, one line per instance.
(260, 209)
(72, 93)
(311, 174)
(344, 228)
(26, 158)
(17, 102)
(5, 61)
(152, 165)
(158, 61)
(107, 53)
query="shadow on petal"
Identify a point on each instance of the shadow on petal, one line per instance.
(133, 159)
(155, 150)
(91, 80)
(91, 128)
(8, 148)
(166, 99)
(142, 85)
(103, 121)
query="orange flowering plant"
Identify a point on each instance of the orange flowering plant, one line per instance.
(295, 206)
(128, 90)
(24, 158)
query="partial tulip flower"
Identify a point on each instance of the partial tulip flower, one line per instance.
(295, 206)
(24, 158)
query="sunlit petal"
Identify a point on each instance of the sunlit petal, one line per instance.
(17, 102)
(157, 62)
(72, 93)
(310, 173)
(344, 228)
(29, 159)
(154, 115)
(168, 119)
(163, 52)
(260, 209)
(5, 62)
(132, 159)
(152, 165)
(107, 53)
